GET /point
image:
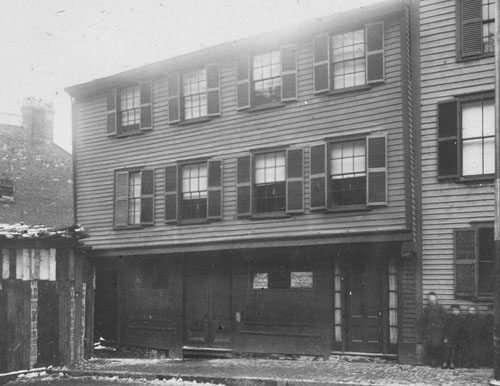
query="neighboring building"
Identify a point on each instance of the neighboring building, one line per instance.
(35, 174)
(458, 151)
(259, 196)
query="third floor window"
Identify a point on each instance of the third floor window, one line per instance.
(476, 28)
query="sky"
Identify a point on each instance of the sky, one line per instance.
(47, 45)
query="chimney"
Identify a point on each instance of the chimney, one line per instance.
(38, 120)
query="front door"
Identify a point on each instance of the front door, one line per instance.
(364, 305)
(207, 302)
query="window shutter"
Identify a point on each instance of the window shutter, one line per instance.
(121, 199)
(375, 52)
(447, 139)
(321, 63)
(174, 98)
(376, 184)
(243, 84)
(146, 95)
(214, 190)
(288, 73)
(465, 263)
(147, 196)
(471, 28)
(295, 181)
(244, 186)
(111, 112)
(171, 179)
(213, 90)
(318, 177)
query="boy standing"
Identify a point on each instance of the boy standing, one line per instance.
(453, 337)
(432, 330)
(473, 325)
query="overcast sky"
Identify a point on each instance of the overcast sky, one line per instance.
(47, 45)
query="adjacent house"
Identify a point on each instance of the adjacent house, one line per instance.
(458, 151)
(35, 174)
(259, 196)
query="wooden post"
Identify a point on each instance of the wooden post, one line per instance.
(496, 316)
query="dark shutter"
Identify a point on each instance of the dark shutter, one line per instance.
(318, 177)
(376, 184)
(448, 139)
(174, 98)
(111, 112)
(146, 95)
(214, 190)
(295, 181)
(465, 263)
(471, 28)
(288, 73)
(147, 196)
(244, 186)
(243, 82)
(171, 179)
(375, 52)
(213, 90)
(121, 199)
(321, 63)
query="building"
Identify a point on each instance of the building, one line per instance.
(259, 196)
(35, 173)
(458, 162)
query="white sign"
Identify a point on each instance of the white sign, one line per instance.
(260, 281)
(301, 280)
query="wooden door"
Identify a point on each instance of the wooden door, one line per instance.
(364, 306)
(207, 302)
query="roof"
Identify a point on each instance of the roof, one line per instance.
(283, 36)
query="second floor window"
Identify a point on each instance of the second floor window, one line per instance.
(348, 59)
(476, 28)
(134, 191)
(266, 78)
(194, 191)
(194, 86)
(466, 137)
(348, 173)
(270, 187)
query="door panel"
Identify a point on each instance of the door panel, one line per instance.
(207, 295)
(364, 305)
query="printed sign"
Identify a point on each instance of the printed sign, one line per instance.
(260, 281)
(301, 280)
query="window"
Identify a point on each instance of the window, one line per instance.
(134, 192)
(270, 183)
(270, 187)
(193, 192)
(474, 262)
(6, 190)
(267, 78)
(349, 59)
(129, 109)
(466, 137)
(351, 172)
(348, 173)
(282, 273)
(194, 94)
(476, 28)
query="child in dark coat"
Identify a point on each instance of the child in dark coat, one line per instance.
(473, 327)
(432, 330)
(453, 338)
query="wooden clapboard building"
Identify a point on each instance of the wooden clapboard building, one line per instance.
(258, 196)
(458, 163)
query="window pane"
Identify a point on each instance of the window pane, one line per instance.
(336, 166)
(472, 119)
(488, 118)
(472, 157)
(489, 156)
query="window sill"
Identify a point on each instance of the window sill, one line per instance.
(475, 57)
(351, 89)
(265, 216)
(193, 221)
(194, 121)
(489, 178)
(349, 208)
(119, 228)
(127, 134)
(268, 106)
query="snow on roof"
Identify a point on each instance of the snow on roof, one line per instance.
(21, 230)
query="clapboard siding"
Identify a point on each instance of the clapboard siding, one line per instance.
(446, 205)
(299, 124)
